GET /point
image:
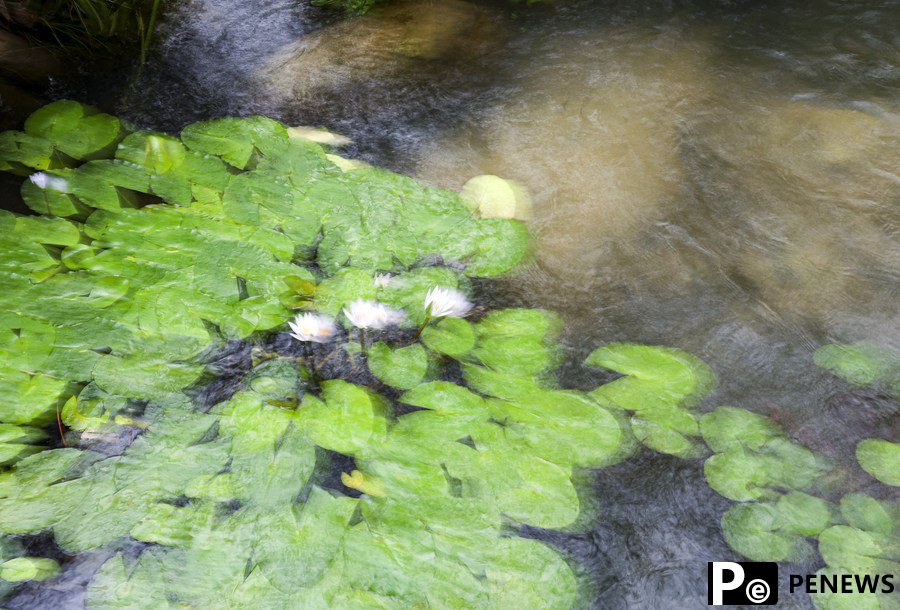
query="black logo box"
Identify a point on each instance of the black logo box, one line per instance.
(759, 585)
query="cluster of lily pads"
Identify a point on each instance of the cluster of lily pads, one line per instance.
(775, 481)
(150, 254)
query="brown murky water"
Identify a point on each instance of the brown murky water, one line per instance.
(719, 177)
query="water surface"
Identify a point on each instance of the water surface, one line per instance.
(719, 177)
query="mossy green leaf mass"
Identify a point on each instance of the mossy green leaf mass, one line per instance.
(147, 254)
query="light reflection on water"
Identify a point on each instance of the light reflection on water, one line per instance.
(721, 180)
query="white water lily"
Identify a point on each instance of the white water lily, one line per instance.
(43, 180)
(372, 314)
(383, 280)
(443, 302)
(313, 327)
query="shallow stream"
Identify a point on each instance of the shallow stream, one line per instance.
(723, 178)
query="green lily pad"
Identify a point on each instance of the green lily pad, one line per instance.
(21, 153)
(74, 129)
(731, 428)
(856, 551)
(28, 568)
(866, 513)
(860, 363)
(881, 459)
(754, 531)
(236, 141)
(345, 421)
(453, 337)
(494, 197)
(402, 368)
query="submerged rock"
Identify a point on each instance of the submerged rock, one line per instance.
(804, 197)
(592, 132)
(408, 38)
(23, 61)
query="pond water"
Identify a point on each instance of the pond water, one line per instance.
(723, 178)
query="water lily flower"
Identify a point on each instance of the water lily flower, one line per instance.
(443, 302)
(372, 314)
(43, 181)
(383, 280)
(313, 327)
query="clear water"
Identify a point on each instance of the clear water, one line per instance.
(719, 177)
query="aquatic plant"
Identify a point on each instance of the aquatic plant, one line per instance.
(659, 387)
(83, 25)
(313, 327)
(151, 258)
(753, 458)
(881, 459)
(862, 364)
(755, 464)
(865, 544)
(777, 517)
(152, 255)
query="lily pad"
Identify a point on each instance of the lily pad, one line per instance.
(402, 368)
(28, 568)
(74, 129)
(881, 459)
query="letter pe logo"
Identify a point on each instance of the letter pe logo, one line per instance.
(733, 583)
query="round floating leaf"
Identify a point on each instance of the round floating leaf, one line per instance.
(831, 597)
(854, 550)
(28, 568)
(318, 135)
(860, 363)
(737, 475)
(276, 379)
(78, 131)
(881, 459)
(236, 140)
(528, 574)
(803, 514)
(661, 435)
(347, 165)
(866, 513)
(673, 374)
(445, 397)
(402, 368)
(539, 324)
(562, 427)
(454, 337)
(753, 530)
(138, 377)
(730, 427)
(343, 422)
(53, 231)
(501, 246)
(494, 197)
(20, 153)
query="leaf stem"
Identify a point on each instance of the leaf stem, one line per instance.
(148, 35)
(428, 319)
(62, 435)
